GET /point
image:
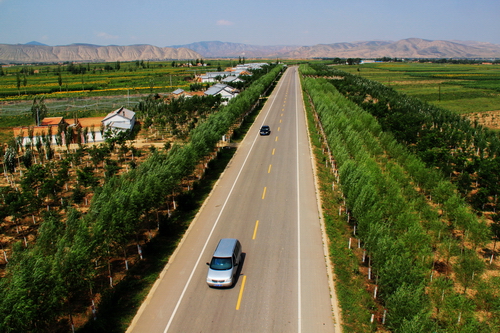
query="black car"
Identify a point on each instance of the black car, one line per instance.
(265, 130)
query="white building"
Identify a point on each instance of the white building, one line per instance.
(222, 89)
(121, 119)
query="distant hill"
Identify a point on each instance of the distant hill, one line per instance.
(29, 53)
(216, 49)
(405, 48)
(35, 43)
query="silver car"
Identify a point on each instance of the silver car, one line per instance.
(224, 264)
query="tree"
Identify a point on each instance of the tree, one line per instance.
(86, 177)
(59, 80)
(407, 302)
(25, 83)
(18, 82)
(27, 158)
(39, 109)
(469, 268)
(151, 84)
(9, 159)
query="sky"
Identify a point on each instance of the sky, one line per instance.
(257, 22)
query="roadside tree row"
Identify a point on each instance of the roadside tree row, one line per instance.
(421, 241)
(72, 256)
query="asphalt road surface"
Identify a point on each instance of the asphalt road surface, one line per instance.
(266, 198)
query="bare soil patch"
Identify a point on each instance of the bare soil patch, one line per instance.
(489, 119)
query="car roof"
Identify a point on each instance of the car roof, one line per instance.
(225, 247)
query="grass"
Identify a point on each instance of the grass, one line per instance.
(459, 88)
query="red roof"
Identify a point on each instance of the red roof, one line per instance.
(51, 121)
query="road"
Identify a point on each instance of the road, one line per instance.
(266, 198)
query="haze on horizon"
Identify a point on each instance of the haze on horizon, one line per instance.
(274, 22)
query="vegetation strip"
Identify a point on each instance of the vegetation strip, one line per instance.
(49, 279)
(408, 219)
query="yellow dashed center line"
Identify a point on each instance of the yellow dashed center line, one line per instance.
(274, 149)
(269, 169)
(255, 229)
(264, 193)
(241, 292)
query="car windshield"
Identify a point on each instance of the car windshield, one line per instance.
(220, 264)
(265, 127)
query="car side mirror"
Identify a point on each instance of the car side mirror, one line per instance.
(208, 264)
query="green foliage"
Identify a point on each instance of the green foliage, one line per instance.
(38, 109)
(44, 279)
(442, 139)
(379, 176)
(408, 310)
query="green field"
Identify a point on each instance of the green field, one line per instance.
(459, 88)
(89, 89)
(98, 79)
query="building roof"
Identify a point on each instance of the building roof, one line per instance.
(91, 121)
(219, 88)
(195, 93)
(231, 79)
(49, 121)
(123, 112)
(37, 130)
(178, 91)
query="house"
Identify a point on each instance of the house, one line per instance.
(52, 121)
(92, 127)
(232, 78)
(186, 94)
(222, 89)
(178, 93)
(212, 76)
(51, 127)
(30, 134)
(121, 119)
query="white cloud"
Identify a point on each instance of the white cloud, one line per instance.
(105, 35)
(224, 22)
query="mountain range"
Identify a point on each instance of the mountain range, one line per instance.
(37, 52)
(405, 48)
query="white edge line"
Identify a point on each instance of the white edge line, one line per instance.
(299, 277)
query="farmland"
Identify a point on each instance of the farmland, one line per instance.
(98, 79)
(89, 89)
(51, 196)
(473, 90)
